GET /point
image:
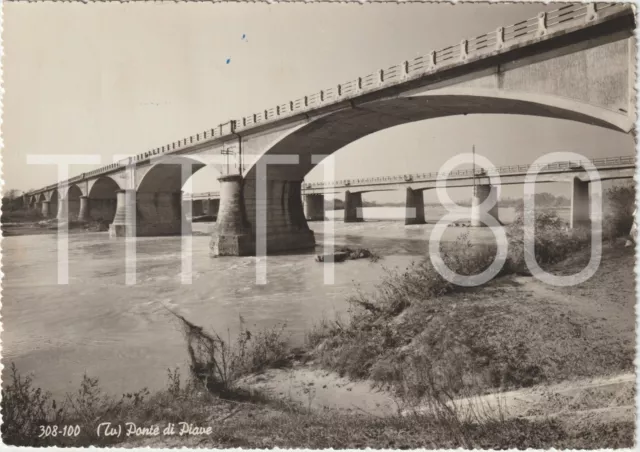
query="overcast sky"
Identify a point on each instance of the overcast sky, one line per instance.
(123, 78)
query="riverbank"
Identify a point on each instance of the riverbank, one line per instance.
(306, 403)
(50, 226)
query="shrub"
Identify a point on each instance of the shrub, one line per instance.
(618, 212)
(553, 241)
(26, 408)
(218, 364)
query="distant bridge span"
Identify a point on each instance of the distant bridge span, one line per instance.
(623, 167)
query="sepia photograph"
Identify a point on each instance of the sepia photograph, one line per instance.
(318, 224)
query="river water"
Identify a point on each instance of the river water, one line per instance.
(124, 335)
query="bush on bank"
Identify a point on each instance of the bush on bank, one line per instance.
(425, 337)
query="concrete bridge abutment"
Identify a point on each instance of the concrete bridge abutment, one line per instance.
(352, 202)
(414, 209)
(481, 194)
(314, 207)
(580, 208)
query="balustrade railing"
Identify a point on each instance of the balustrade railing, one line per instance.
(502, 170)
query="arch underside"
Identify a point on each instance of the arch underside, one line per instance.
(328, 134)
(73, 201)
(169, 176)
(103, 199)
(159, 196)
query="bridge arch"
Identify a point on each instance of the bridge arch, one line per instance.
(72, 197)
(168, 174)
(329, 133)
(158, 196)
(312, 141)
(53, 197)
(103, 199)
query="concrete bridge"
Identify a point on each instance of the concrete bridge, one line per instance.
(576, 63)
(572, 172)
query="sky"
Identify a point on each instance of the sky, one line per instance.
(122, 78)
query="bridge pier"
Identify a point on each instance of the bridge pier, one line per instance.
(232, 233)
(212, 207)
(83, 215)
(352, 201)
(123, 220)
(414, 209)
(314, 207)
(286, 227)
(237, 227)
(580, 209)
(45, 209)
(63, 210)
(482, 193)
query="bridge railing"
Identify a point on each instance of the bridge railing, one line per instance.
(509, 169)
(198, 196)
(563, 17)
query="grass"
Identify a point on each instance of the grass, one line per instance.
(421, 335)
(262, 423)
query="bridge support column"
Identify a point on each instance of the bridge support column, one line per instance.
(314, 207)
(579, 203)
(352, 201)
(45, 209)
(414, 210)
(212, 207)
(284, 226)
(482, 193)
(63, 210)
(232, 233)
(83, 215)
(124, 219)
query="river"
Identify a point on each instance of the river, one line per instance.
(123, 334)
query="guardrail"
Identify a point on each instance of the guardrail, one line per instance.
(511, 169)
(564, 17)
